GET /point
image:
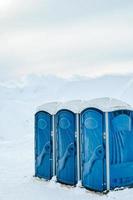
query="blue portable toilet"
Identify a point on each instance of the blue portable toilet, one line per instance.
(87, 141)
(92, 123)
(106, 144)
(121, 148)
(44, 141)
(66, 143)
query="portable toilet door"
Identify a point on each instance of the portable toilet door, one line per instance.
(43, 145)
(66, 147)
(92, 149)
(121, 148)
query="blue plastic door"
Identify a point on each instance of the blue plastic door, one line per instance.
(66, 147)
(121, 148)
(43, 145)
(92, 149)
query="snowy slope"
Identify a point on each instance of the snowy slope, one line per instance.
(17, 106)
(49, 88)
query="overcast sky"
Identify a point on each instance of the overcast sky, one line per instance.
(65, 38)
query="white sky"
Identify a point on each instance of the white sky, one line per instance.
(65, 38)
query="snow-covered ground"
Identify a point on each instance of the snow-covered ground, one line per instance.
(17, 106)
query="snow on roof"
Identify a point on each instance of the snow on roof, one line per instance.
(50, 107)
(74, 106)
(54, 107)
(104, 104)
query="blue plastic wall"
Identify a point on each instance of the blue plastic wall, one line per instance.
(92, 149)
(66, 147)
(43, 145)
(121, 148)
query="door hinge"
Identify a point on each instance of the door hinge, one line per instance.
(104, 135)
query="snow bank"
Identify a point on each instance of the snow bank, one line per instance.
(17, 139)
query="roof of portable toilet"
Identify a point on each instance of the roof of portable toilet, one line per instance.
(106, 104)
(73, 106)
(50, 107)
(54, 107)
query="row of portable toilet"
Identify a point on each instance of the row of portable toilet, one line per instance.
(88, 142)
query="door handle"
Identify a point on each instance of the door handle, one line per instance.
(98, 154)
(69, 152)
(46, 150)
